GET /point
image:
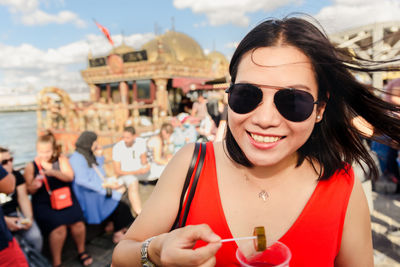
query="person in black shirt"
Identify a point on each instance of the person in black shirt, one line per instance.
(17, 207)
(10, 252)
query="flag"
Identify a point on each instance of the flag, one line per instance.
(105, 31)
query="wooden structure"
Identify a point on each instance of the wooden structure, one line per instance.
(158, 74)
(378, 41)
(127, 86)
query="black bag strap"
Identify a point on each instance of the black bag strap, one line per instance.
(187, 182)
(194, 184)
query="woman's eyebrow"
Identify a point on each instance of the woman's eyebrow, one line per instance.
(296, 86)
(302, 86)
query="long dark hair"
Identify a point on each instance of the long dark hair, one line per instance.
(335, 139)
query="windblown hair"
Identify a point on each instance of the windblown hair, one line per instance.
(335, 139)
(48, 137)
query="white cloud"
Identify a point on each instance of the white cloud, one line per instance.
(233, 11)
(25, 68)
(345, 14)
(28, 13)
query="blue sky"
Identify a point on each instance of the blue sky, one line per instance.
(45, 42)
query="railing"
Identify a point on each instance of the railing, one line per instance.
(98, 117)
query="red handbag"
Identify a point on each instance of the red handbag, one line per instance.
(60, 198)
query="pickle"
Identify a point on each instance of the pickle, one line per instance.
(260, 243)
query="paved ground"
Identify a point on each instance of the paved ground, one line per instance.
(385, 221)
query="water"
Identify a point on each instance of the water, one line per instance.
(18, 133)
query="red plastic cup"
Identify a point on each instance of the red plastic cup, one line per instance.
(277, 255)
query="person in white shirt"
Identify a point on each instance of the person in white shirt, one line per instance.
(131, 165)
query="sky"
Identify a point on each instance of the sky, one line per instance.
(46, 42)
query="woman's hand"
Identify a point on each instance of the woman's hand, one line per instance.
(98, 151)
(37, 183)
(25, 223)
(176, 248)
(13, 223)
(46, 165)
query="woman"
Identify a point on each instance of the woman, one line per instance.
(17, 207)
(160, 150)
(284, 163)
(98, 201)
(55, 223)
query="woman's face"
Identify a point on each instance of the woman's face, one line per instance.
(44, 151)
(165, 135)
(263, 134)
(94, 146)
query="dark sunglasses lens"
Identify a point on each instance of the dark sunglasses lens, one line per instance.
(294, 105)
(244, 98)
(5, 161)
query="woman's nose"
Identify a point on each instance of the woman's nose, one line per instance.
(266, 115)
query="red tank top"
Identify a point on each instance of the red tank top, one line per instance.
(315, 237)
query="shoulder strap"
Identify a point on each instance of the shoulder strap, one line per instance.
(194, 184)
(98, 172)
(186, 184)
(189, 175)
(46, 184)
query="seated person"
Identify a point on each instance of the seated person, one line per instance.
(21, 224)
(130, 164)
(10, 251)
(99, 202)
(50, 171)
(160, 150)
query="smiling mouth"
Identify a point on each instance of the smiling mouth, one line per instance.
(265, 139)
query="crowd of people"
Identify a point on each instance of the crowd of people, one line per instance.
(30, 216)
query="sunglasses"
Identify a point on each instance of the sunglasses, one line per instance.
(5, 161)
(293, 104)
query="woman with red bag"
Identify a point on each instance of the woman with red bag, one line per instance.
(45, 176)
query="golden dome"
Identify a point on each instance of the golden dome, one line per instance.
(215, 56)
(175, 46)
(122, 49)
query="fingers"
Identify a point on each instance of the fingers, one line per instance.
(177, 249)
(210, 263)
(203, 255)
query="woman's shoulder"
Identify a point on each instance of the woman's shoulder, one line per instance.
(154, 140)
(75, 155)
(75, 158)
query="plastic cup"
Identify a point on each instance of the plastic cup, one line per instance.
(277, 255)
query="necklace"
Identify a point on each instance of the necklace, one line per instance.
(263, 194)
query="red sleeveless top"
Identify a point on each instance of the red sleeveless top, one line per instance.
(314, 238)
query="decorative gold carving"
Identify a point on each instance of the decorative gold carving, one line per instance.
(116, 64)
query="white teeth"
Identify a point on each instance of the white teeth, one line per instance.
(265, 139)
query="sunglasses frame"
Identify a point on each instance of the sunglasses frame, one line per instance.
(5, 161)
(230, 88)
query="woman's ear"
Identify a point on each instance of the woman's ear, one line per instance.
(320, 112)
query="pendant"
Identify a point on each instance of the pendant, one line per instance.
(263, 195)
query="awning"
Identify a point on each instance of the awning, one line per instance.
(191, 84)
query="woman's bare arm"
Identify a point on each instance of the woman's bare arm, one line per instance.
(157, 218)
(65, 173)
(157, 146)
(32, 184)
(7, 184)
(356, 247)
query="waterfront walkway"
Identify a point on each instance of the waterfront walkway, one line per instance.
(385, 221)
